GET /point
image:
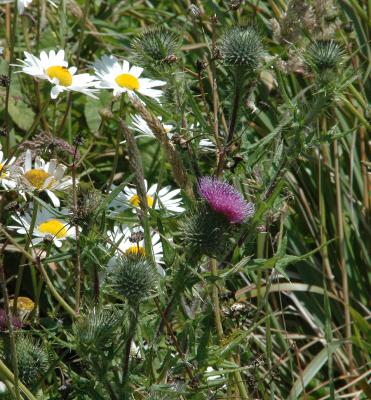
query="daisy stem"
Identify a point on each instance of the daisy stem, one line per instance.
(8, 318)
(77, 233)
(77, 62)
(11, 57)
(23, 259)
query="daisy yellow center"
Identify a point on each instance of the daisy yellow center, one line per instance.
(135, 249)
(37, 178)
(127, 81)
(53, 227)
(23, 304)
(61, 73)
(2, 171)
(135, 200)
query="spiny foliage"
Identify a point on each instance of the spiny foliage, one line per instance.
(324, 54)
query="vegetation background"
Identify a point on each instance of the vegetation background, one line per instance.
(285, 315)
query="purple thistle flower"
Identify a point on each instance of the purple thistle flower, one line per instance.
(16, 322)
(225, 199)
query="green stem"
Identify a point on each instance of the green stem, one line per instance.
(9, 318)
(134, 312)
(23, 258)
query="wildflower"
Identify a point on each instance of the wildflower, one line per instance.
(42, 176)
(225, 199)
(16, 322)
(133, 277)
(165, 198)
(242, 47)
(22, 4)
(48, 226)
(53, 67)
(24, 306)
(124, 79)
(130, 241)
(6, 176)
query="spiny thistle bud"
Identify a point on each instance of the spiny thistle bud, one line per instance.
(242, 47)
(134, 277)
(156, 47)
(33, 359)
(206, 232)
(95, 330)
(324, 55)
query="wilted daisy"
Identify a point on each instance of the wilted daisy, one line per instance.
(42, 176)
(225, 199)
(140, 125)
(24, 306)
(6, 176)
(165, 198)
(53, 67)
(131, 241)
(48, 226)
(122, 78)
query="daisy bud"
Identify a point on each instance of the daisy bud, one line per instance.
(324, 55)
(33, 359)
(242, 47)
(134, 277)
(157, 47)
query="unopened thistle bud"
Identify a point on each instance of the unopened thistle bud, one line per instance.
(242, 47)
(157, 47)
(95, 330)
(134, 277)
(15, 320)
(324, 55)
(33, 359)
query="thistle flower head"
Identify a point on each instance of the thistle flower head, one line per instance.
(324, 55)
(156, 46)
(225, 199)
(134, 277)
(16, 321)
(33, 359)
(242, 47)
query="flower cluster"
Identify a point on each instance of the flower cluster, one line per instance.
(110, 73)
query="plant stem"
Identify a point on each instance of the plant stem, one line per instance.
(342, 261)
(9, 323)
(134, 313)
(23, 258)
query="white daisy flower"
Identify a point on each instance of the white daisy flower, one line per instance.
(124, 79)
(165, 198)
(53, 67)
(42, 176)
(131, 241)
(6, 176)
(205, 145)
(48, 226)
(140, 125)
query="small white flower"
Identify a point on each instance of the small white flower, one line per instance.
(131, 241)
(205, 145)
(124, 79)
(6, 175)
(53, 67)
(140, 125)
(3, 388)
(42, 176)
(22, 4)
(48, 226)
(165, 198)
